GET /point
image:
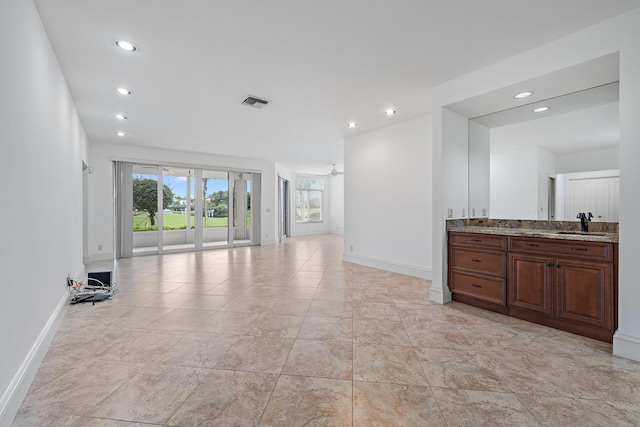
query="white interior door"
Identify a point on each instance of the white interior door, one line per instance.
(599, 195)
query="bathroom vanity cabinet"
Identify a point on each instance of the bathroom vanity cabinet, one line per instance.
(478, 267)
(565, 284)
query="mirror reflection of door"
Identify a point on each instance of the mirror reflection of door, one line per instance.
(598, 193)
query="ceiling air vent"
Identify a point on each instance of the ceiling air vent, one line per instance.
(254, 102)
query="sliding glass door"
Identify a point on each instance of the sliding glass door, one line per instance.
(215, 202)
(145, 183)
(190, 206)
(178, 209)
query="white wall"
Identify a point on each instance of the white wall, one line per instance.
(101, 211)
(519, 183)
(336, 204)
(387, 198)
(456, 163)
(594, 160)
(450, 179)
(514, 184)
(43, 146)
(620, 34)
(479, 170)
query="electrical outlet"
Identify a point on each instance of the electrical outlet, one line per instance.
(473, 212)
(99, 247)
(462, 212)
(266, 235)
(449, 213)
(484, 211)
(351, 248)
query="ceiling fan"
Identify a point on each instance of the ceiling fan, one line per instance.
(335, 171)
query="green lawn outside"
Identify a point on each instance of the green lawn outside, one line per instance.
(176, 221)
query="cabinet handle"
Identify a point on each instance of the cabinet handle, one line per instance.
(473, 285)
(476, 240)
(534, 245)
(475, 260)
(558, 266)
(580, 249)
(549, 265)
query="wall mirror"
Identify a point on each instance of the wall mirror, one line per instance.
(550, 164)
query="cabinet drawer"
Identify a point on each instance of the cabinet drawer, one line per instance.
(479, 261)
(484, 288)
(574, 248)
(478, 240)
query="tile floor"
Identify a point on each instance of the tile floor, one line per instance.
(289, 335)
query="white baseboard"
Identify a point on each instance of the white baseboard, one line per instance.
(14, 394)
(626, 346)
(101, 256)
(437, 294)
(308, 232)
(265, 242)
(409, 270)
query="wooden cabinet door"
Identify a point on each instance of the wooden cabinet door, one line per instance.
(531, 283)
(584, 292)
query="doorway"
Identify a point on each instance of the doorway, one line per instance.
(284, 224)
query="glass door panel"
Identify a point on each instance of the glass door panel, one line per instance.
(242, 208)
(215, 203)
(145, 209)
(178, 209)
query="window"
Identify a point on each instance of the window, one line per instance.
(309, 199)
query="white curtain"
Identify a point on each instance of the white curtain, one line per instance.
(123, 173)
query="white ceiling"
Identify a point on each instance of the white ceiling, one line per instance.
(319, 63)
(586, 129)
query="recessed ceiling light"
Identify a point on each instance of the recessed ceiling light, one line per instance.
(390, 112)
(125, 45)
(523, 95)
(540, 109)
(120, 133)
(352, 124)
(123, 91)
(121, 116)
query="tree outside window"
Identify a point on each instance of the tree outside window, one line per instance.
(145, 197)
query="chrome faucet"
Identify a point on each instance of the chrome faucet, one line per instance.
(584, 220)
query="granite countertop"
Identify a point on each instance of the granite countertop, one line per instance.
(559, 230)
(547, 234)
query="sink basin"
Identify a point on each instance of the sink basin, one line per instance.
(581, 233)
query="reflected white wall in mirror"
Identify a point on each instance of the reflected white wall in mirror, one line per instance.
(479, 170)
